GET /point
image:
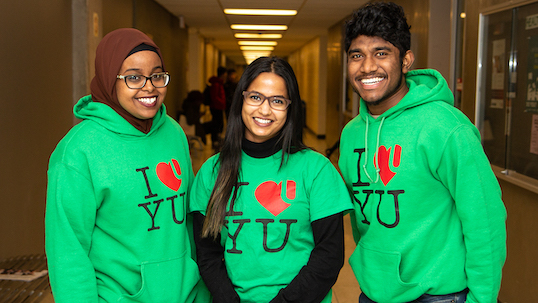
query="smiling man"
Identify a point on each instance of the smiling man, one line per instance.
(429, 221)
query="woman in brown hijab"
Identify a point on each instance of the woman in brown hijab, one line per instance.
(118, 182)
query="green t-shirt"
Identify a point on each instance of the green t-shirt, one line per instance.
(267, 234)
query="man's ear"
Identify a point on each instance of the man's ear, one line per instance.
(407, 61)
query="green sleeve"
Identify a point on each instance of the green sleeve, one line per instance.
(328, 193)
(354, 228)
(344, 165)
(202, 187)
(466, 172)
(69, 223)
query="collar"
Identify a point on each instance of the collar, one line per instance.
(262, 150)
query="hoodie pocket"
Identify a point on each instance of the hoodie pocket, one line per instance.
(378, 274)
(171, 280)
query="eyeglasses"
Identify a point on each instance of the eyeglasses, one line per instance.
(158, 80)
(257, 99)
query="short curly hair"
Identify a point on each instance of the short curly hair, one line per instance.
(380, 19)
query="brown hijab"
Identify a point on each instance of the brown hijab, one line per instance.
(111, 52)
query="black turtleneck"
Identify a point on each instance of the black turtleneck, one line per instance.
(262, 150)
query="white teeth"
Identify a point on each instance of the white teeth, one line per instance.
(148, 100)
(265, 121)
(371, 81)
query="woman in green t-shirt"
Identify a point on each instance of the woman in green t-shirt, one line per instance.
(268, 210)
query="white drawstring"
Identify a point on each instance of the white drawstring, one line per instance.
(377, 170)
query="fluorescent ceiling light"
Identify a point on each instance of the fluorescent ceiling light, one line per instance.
(257, 36)
(260, 12)
(257, 48)
(257, 54)
(265, 43)
(259, 27)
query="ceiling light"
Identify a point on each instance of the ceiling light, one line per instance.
(257, 48)
(252, 54)
(257, 36)
(260, 12)
(259, 27)
(266, 43)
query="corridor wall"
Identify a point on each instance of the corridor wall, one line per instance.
(519, 273)
(310, 66)
(47, 58)
(36, 112)
(164, 28)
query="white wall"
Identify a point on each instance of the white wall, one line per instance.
(310, 66)
(195, 72)
(439, 37)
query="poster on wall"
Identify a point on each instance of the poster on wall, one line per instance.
(531, 105)
(497, 76)
(534, 135)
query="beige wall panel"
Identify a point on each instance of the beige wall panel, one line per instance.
(164, 29)
(36, 113)
(306, 64)
(418, 12)
(519, 273)
(335, 82)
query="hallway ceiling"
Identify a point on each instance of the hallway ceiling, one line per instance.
(313, 18)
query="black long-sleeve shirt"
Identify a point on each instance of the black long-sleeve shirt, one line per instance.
(311, 284)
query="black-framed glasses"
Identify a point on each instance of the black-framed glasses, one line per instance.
(257, 99)
(158, 80)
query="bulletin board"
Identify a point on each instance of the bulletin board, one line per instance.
(507, 88)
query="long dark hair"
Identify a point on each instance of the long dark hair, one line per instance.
(229, 161)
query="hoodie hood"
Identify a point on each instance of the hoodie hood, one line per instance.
(425, 86)
(104, 115)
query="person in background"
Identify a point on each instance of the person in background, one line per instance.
(192, 110)
(217, 106)
(267, 209)
(229, 89)
(118, 182)
(429, 221)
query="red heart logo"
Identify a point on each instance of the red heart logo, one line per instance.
(384, 167)
(268, 194)
(167, 176)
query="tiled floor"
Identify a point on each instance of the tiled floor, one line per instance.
(346, 289)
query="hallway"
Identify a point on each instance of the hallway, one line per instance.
(53, 44)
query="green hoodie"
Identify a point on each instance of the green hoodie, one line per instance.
(116, 228)
(428, 211)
